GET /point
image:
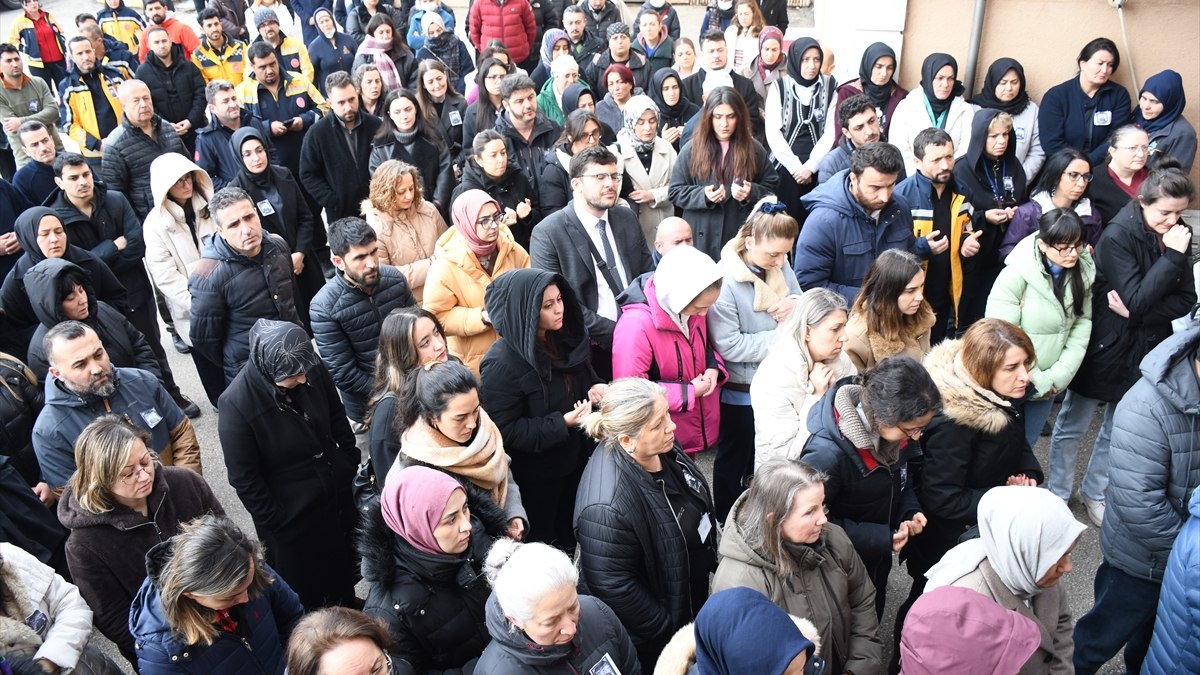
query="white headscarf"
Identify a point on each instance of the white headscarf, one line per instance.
(1023, 532)
(682, 275)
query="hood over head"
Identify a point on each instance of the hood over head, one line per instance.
(956, 630)
(570, 97)
(514, 303)
(979, 128)
(739, 630)
(26, 227)
(682, 275)
(42, 286)
(167, 169)
(281, 349)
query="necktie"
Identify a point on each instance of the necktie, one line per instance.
(609, 258)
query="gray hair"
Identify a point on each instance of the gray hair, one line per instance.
(215, 87)
(522, 574)
(225, 198)
(625, 410)
(814, 306)
(768, 503)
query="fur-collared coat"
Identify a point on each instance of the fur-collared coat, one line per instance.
(867, 347)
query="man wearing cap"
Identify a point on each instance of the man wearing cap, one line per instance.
(293, 55)
(620, 43)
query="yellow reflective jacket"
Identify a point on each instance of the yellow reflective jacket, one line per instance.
(916, 190)
(24, 36)
(78, 112)
(123, 24)
(293, 55)
(227, 64)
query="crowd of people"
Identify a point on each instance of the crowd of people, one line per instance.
(469, 309)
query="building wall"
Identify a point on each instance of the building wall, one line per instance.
(1046, 36)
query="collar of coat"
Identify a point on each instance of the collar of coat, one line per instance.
(963, 399)
(766, 293)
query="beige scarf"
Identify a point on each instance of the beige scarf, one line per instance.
(483, 462)
(766, 293)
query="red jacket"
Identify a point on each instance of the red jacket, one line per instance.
(509, 21)
(179, 33)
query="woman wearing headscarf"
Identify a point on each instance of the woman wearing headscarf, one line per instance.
(488, 169)
(443, 45)
(579, 97)
(1160, 114)
(769, 64)
(798, 131)
(422, 554)
(332, 50)
(1004, 89)
(281, 208)
(1026, 535)
(987, 637)
(674, 109)
(468, 256)
(876, 79)
(290, 455)
(647, 160)
(555, 43)
(938, 103)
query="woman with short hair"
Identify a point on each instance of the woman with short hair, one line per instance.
(1082, 112)
(334, 640)
(211, 604)
(619, 85)
(890, 316)
(1062, 184)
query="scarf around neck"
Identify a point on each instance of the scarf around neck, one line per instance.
(380, 51)
(482, 460)
(996, 72)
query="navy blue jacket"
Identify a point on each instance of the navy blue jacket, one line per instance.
(35, 181)
(330, 57)
(1175, 648)
(1066, 118)
(840, 239)
(215, 155)
(288, 105)
(12, 204)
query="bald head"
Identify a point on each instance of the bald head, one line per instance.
(136, 103)
(671, 232)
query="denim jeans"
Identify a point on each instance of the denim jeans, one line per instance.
(1073, 420)
(1036, 414)
(1123, 616)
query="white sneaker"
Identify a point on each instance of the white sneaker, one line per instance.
(1095, 508)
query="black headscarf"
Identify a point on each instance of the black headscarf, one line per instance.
(796, 55)
(26, 227)
(878, 94)
(281, 349)
(996, 72)
(240, 138)
(677, 114)
(929, 70)
(570, 98)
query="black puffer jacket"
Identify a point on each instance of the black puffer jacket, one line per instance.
(437, 173)
(230, 292)
(633, 555)
(20, 403)
(346, 323)
(112, 216)
(433, 605)
(599, 634)
(1157, 288)
(510, 190)
(128, 153)
(126, 346)
(524, 389)
(177, 90)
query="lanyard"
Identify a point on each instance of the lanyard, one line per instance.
(939, 121)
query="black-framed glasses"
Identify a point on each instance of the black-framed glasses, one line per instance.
(491, 222)
(603, 177)
(1075, 176)
(914, 434)
(1069, 249)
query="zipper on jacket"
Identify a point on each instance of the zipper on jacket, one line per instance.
(663, 488)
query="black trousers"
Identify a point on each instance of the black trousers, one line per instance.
(51, 73)
(734, 462)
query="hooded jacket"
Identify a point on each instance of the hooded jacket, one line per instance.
(257, 648)
(599, 635)
(832, 589)
(1157, 288)
(126, 346)
(1155, 459)
(407, 241)
(1024, 295)
(172, 248)
(433, 605)
(840, 240)
(988, 637)
(976, 176)
(1173, 648)
(43, 608)
(741, 646)
(1025, 221)
(107, 551)
(526, 388)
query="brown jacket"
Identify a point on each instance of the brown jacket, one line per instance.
(866, 348)
(407, 241)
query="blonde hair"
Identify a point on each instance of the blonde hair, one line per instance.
(385, 185)
(1001, 119)
(101, 452)
(625, 410)
(327, 629)
(763, 225)
(814, 306)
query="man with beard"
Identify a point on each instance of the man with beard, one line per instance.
(584, 43)
(349, 310)
(176, 88)
(334, 165)
(181, 34)
(852, 219)
(83, 385)
(89, 108)
(219, 56)
(24, 99)
(214, 153)
(940, 204)
(860, 125)
(293, 55)
(596, 245)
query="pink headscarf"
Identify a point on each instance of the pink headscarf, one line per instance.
(413, 502)
(465, 211)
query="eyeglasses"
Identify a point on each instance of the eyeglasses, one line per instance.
(130, 476)
(1068, 249)
(914, 434)
(1135, 149)
(1075, 177)
(592, 136)
(491, 222)
(603, 177)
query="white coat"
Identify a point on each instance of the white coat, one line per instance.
(47, 605)
(911, 118)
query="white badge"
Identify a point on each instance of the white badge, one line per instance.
(1102, 118)
(151, 417)
(605, 666)
(455, 118)
(265, 208)
(1008, 184)
(704, 528)
(1020, 134)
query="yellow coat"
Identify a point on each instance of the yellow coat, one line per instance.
(454, 292)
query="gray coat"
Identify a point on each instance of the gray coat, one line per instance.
(1155, 459)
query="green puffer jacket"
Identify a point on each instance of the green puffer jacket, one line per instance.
(1024, 295)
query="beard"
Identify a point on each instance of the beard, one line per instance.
(362, 282)
(95, 388)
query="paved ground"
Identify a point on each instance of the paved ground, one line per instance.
(1086, 556)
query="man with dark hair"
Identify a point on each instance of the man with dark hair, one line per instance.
(109, 51)
(348, 311)
(38, 36)
(89, 109)
(941, 206)
(83, 385)
(584, 43)
(334, 165)
(527, 132)
(142, 136)
(176, 86)
(244, 275)
(289, 103)
(595, 244)
(219, 57)
(214, 153)
(233, 17)
(181, 34)
(714, 54)
(852, 219)
(600, 14)
(620, 51)
(122, 23)
(23, 99)
(35, 180)
(859, 123)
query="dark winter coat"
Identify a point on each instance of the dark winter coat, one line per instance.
(25, 521)
(599, 634)
(291, 458)
(126, 346)
(692, 88)
(264, 624)
(974, 444)
(346, 323)
(1155, 460)
(433, 161)
(530, 154)
(12, 204)
(112, 217)
(512, 189)
(215, 155)
(1066, 118)
(337, 180)
(1107, 196)
(230, 292)
(713, 225)
(433, 605)
(975, 179)
(177, 90)
(331, 57)
(1157, 288)
(594, 73)
(451, 125)
(1174, 647)
(525, 390)
(107, 551)
(20, 403)
(633, 555)
(128, 153)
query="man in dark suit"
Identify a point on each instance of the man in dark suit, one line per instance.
(595, 244)
(715, 55)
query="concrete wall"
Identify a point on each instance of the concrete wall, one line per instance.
(1046, 36)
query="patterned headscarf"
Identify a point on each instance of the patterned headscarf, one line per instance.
(635, 107)
(281, 349)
